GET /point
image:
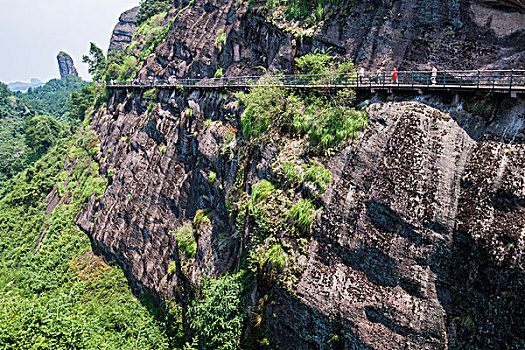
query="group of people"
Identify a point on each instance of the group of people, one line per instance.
(381, 78)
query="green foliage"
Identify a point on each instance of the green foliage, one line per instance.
(216, 318)
(186, 241)
(263, 103)
(276, 256)
(162, 150)
(261, 191)
(53, 97)
(200, 219)
(302, 214)
(314, 63)
(41, 132)
(81, 101)
(299, 9)
(96, 62)
(150, 94)
(61, 296)
(326, 117)
(318, 175)
(120, 66)
(292, 176)
(212, 176)
(13, 150)
(220, 40)
(150, 8)
(172, 268)
(219, 73)
(266, 210)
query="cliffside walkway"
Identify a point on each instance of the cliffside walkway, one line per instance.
(502, 81)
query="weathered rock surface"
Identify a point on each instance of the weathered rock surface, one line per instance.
(419, 246)
(420, 243)
(66, 66)
(408, 34)
(124, 30)
(517, 4)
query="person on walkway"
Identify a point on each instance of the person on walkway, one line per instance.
(361, 75)
(434, 75)
(394, 76)
(379, 75)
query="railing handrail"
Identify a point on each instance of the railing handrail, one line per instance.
(442, 78)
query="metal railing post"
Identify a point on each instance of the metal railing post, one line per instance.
(511, 76)
(412, 78)
(478, 80)
(444, 78)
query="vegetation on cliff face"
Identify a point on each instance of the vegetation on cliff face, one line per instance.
(325, 117)
(277, 216)
(150, 8)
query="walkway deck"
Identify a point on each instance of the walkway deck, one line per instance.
(512, 81)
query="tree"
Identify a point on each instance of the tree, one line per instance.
(41, 132)
(81, 101)
(96, 61)
(149, 8)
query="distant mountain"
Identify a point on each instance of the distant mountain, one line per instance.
(21, 86)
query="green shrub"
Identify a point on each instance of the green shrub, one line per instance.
(302, 214)
(172, 268)
(220, 40)
(200, 219)
(318, 175)
(219, 73)
(328, 120)
(276, 255)
(185, 239)
(216, 318)
(291, 175)
(212, 177)
(261, 191)
(150, 94)
(162, 149)
(263, 103)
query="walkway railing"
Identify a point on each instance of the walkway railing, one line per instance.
(512, 80)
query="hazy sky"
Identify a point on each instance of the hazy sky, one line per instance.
(33, 32)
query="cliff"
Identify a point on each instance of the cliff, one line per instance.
(407, 34)
(418, 239)
(66, 65)
(124, 30)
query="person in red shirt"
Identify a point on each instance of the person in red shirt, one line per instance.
(394, 76)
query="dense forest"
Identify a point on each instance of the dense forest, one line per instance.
(54, 292)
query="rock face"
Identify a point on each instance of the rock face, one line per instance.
(420, 244)
(66, 65)
(409, 34)
(513, 4)
(124, 30)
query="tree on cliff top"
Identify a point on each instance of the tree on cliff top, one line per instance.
(96, 61)
(149, 8)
